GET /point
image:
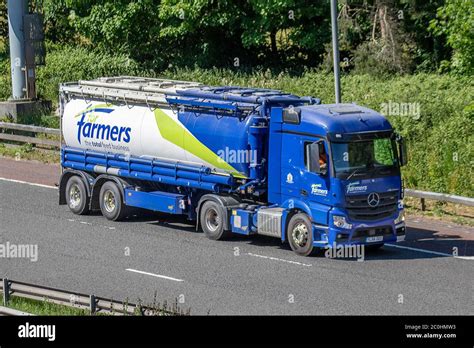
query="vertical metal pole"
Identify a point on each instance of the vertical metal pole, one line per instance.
(423, 204)
(6, 292)
(335, 51)
(16, 10)
(93, 304)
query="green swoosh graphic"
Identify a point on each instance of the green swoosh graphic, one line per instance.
(180, 136)
(92, 108)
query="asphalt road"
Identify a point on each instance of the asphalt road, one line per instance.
(257, 275)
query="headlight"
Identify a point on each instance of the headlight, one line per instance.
(400, 218)
(340, 221)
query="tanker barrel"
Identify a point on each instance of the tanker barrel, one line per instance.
(170, 180)
(93, 161)
(170, 165)
(118, 164)
(89, 153)
(145, 176)
(118, 160)
(141, 168)
(217, 179)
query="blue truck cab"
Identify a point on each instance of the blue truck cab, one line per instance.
(316, 175)
(339, 164)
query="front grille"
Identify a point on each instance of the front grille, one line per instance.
(359, 209)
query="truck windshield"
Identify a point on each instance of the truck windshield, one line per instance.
(365, 158)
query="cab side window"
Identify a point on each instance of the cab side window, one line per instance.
(311, 157)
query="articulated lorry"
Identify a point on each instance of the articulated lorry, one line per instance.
(235, 160)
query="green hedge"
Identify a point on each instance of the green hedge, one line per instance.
(440, 140)
(5, 80)
(72, 64)
(69, 64)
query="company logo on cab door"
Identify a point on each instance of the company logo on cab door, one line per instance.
(93, 130)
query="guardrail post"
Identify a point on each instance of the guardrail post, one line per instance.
(423, 204)
(93, 304)
(6, 291)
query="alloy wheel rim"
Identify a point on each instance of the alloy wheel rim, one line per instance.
(300, 235)
(74, 196)
(212, 220)
(109, 201)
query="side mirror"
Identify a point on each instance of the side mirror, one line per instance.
(402, 151)
(312, 158)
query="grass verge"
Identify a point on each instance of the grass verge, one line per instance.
(28, 152)
(450, 212)
(43, 307)
(49, 308)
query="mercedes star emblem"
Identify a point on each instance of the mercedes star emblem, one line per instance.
(373, 199)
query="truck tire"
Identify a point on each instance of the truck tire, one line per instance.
(111, 202)
(212, 220)
(76, 196)
(300, 234)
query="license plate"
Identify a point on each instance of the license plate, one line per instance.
(374, 239)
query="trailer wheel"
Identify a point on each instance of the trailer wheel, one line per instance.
(76, 196)
(111, 202)
(300, 234)
(212, 220)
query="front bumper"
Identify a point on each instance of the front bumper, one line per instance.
(367, 233)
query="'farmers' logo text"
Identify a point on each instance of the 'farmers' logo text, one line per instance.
(102, 131)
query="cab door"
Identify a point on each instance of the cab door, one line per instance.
(298, 179)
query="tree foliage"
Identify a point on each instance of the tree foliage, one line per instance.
(3, 20)
(455, 20)
(376, 36)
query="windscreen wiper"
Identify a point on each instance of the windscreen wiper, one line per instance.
(353, 173)
(368, 166)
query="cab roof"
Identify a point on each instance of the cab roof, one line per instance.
(341, 118)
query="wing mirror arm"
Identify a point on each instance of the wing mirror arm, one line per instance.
(402, 150)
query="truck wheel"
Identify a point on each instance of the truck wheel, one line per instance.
(111, 202)
(300, 234)
(76, 196)
(212, 220)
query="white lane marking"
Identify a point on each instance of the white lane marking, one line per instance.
(430, 252)
(155, 275)
(28, 183)
(282, 260)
